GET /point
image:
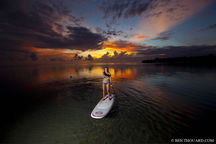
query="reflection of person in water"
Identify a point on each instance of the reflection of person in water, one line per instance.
(106, 82)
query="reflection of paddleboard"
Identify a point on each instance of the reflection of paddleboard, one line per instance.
(103, 107)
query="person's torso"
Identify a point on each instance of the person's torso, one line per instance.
(106, 78)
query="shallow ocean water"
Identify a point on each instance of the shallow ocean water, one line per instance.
(154, 104)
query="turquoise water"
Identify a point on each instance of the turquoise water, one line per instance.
(154, 104)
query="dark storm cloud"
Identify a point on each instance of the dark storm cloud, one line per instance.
(35, 23)
(84, 38)
(177, 51)
(210, 27)
(36, 16)
(79, 38)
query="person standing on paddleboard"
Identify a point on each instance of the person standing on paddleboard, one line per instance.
(106, 82)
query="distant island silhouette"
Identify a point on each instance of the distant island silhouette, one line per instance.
(192, 60)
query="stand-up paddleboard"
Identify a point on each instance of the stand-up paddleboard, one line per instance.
(103, 107)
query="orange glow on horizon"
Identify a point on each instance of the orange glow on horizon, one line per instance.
(111, 47)
(114, 46)
(52, 52)
(108, 47)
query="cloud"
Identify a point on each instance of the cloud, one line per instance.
(120, 55)
(210, 27)
(126, 9)
(105, 56)
(120, 45)
(79, 38)
(141, 37)
(109, 33)
(163, 36)
(175, 51)
(166, 14)
(38, 24)
(205, 14)
(155, 16)
(117, 57)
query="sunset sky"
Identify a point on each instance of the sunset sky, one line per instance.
(121, 30)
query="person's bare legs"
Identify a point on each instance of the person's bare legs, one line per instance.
(103, 85)
(108, 89)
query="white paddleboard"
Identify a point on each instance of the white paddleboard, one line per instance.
(102, 108)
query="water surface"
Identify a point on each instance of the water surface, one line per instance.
(154, 103)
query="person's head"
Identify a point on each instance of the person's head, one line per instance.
(106, 71)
